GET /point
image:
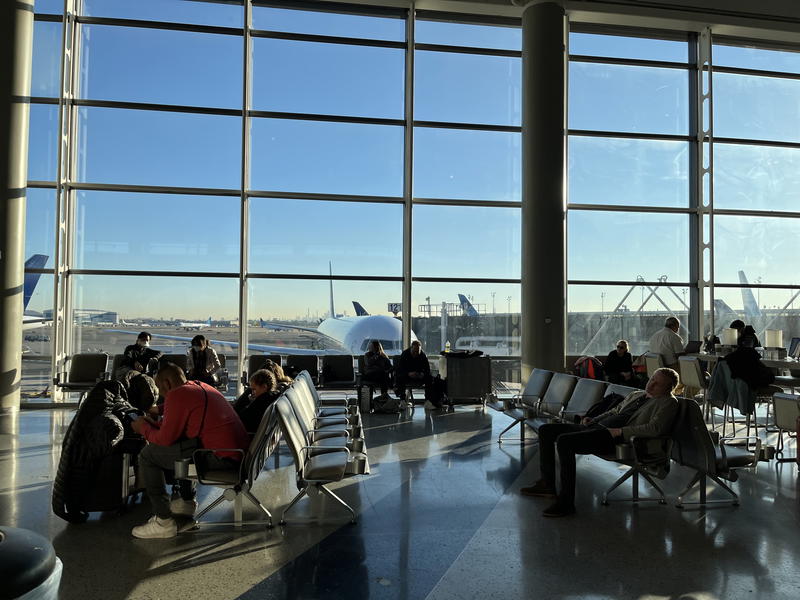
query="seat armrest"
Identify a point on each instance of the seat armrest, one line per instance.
(343, 432)
(306, 450)
(727, 442)
(640, 447)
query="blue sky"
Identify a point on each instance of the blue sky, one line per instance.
(152, 232)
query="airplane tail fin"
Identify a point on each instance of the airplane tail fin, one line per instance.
(330, 272)
(360, 310)
(466, 306)
(261, 323)
(208, 322)
(751, 309)
(37, 261)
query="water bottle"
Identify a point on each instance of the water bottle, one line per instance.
(447, 346)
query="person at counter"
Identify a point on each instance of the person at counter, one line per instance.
(619, 364)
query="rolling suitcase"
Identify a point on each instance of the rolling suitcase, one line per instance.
(114, 482)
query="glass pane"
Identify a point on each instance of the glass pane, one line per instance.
(756, 58)
(40, 223)
(203, 12)
(466, 165)
(328, 23)
(761, 308)
(756, 177)
(487, 318)
(599, 315)
(305, 304)
(333, 158)
(161, 66)
(623, 246)
(629, 99)
(52, 7)
(468, 35)
(616, 46)
(46, 66)
(355, 238)
(489, 238)
(760, 108)
(335, 79)
(37, 336)
(43, 142)
(626, 171)
(760, 249)
(467, 88)
(149, 240)
(159, 148)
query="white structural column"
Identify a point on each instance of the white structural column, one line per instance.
(544, 145)
(16, 39)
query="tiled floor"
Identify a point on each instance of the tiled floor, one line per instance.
(439, 517)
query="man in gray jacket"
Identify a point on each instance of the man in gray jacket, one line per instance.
(642, 414)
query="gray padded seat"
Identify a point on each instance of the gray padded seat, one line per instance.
(586, 394)
(325, 466)
(555, 399)
(622, 390)
(85, 370)
(531, 395)
(694, 448)
(231, 477)
(304, 362)
(181, 360)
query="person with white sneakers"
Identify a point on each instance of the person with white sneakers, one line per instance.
(195, 415)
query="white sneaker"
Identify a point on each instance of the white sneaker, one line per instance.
(179, 506)
(156, 528)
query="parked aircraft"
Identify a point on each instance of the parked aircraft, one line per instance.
(466, 306)
(198, 326)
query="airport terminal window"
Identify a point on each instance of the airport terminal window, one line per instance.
(753, 107)
(135, 64)
(201, 12)
(296, 237)
(622, 246)
(49, 7)
(46, 67)
(753, 177)
(618, 46)
(624, 171)
(465, 241)
(625, 98)
(337, 79)
(329, 23)
(471, 316)
(158, 304)
(40, 223)
(762, 59)
(326, 157)
(467, 164)
(146, 147)
(160, 232)
(43, 142)
(468, 35)
(599, 315)
(467, 88)
(761, 247)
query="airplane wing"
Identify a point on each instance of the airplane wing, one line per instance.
(257, 347)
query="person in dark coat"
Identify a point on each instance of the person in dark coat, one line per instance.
(139, 357)
(253, 403)
(745, 364)
(412, 368)
(377, 366)
(619, 365)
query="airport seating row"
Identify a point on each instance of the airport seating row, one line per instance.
(552, 397)
(326, 443)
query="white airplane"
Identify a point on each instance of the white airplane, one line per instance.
(198, 326)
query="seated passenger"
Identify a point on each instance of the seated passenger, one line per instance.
(412, 368)
(195, 415)
(139, 357)
(203, 361)
(749, 332)
(668, 343)
(745, 364)
(619, 365)
(642, 414)
(252, 404)
(281, 378)
(377, 366)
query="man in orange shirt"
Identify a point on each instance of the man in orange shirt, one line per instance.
(195, 415)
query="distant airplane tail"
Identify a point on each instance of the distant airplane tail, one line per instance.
(208, 322)
(466, 306)
(360, 310)
(330, 281)
(751, 309)
(37, 261)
